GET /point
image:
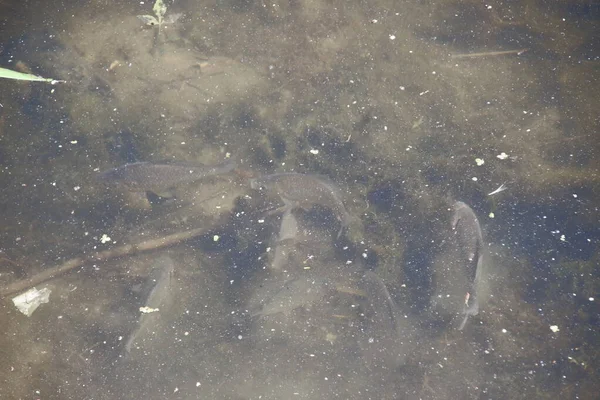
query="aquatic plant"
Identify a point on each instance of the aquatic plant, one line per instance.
(160, 9)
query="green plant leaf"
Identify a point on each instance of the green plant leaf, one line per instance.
(159, 9)
(21, 76)
(148, 20)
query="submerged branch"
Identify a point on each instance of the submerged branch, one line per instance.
(489, 53)
(105, 255)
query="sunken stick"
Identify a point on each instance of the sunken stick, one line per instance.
(125, 250)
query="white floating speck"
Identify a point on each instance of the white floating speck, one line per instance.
(76, 188)
(392, 37)
(575, 195)
(591, 299)
(105, 239)
(197, 384)
(491, 215)
(73, 141)
(504, 331)
(479, 162)
(554, 328)
(314, 151)
(216, 238)
(474, 179)
(563, 238)
(502, 156)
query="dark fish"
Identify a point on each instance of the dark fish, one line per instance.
(304, 191)
(157, 177)
(467, 228)
(158, 289)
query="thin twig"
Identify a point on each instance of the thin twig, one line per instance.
(105, 255)
(489, 53)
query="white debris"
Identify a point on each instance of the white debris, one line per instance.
(474, 179)
(501, 188)
(492, 215)
(591, 299)
(29, 301)
(148, 310)
(502, 156)
(554, 328)
(392, 37)
(105, 239)
(314, 151)
(479, 162)
(216, 238)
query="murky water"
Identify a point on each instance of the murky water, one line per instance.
(404, 108)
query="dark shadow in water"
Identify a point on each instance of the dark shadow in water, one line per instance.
(417, 261)
(534, 231)
(124, 146)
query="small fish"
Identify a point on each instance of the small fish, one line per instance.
(304, 191)
(158, 177)
(158, 285)
(467, 228)
(294, 294)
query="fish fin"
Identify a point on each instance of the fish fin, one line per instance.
(137, 200)
(464, 322)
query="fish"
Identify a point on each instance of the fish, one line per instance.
(304, 191)
(158, 286)
(295, 293)
(470, 238)
(385, 340)
(157, 177)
